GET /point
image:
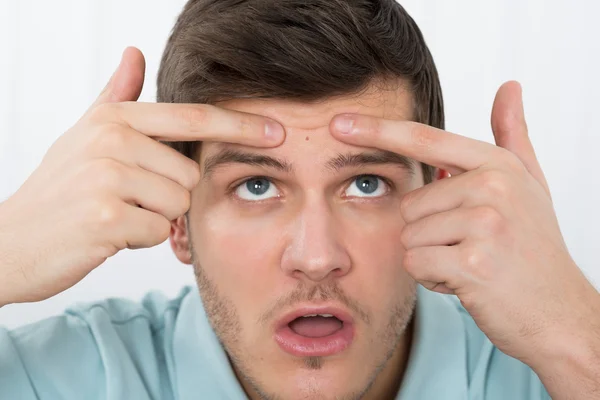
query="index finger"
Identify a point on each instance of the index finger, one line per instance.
(438, 148)
(176, 122)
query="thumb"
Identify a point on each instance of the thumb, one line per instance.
(510, 129)
(127, 81)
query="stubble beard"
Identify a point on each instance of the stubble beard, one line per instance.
(225, 321)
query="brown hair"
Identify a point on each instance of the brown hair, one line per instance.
(306, 50)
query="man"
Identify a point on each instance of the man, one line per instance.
(345, 246)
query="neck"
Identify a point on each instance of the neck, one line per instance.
(388, 381)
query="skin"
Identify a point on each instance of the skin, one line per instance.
(106, 184)
(315, 244)
(488, 234)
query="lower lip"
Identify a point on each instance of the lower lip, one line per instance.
(303, 346)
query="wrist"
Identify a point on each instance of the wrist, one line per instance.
(575, 374)
(569, 363)
(5, 256)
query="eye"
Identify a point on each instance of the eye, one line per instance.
(367, 186)
(256, 189)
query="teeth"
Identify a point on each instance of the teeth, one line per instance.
(320, 315)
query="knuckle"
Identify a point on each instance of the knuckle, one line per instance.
(405, 236)
(413, 264)
(247, 126)
(421, 136)
(194, 174)
(105, 173)
(106, 213)
(495, 184)
(175, 203)
(405, 207)
(183, 202)
(161, 228)
(490, 219)
(472, 257)
(110, 138)
(194, 116)
(374, 127)
(409, 261)
(477, 262)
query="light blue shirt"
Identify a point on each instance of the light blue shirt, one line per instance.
(166, 349)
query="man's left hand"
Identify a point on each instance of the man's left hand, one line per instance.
(489, 235)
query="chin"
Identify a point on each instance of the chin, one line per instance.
(319, 378)
(316, 388)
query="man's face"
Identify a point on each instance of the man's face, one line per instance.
(310, 227)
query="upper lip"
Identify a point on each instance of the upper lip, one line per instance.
(338, 312)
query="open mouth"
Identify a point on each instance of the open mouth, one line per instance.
(316, 325)
(315, 332)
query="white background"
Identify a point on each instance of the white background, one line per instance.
(55, 57)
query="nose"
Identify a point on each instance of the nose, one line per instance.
(316, 251)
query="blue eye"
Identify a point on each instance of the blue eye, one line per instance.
(367, 186)
(256, 189)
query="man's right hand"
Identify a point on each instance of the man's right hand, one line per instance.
(107, 184)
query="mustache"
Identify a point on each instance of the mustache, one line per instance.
(304, 293)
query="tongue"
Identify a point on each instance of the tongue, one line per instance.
(315, 326)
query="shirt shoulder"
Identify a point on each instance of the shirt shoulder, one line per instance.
(115, 348)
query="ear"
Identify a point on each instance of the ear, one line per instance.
(180, 241)
(440, 174)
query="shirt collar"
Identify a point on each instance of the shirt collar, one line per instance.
(437, 364)
(200, 362)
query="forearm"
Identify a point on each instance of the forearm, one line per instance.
(576, 374)
(569, 363)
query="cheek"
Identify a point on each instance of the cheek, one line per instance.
(238, 255)
(373, 241)
(242, 254)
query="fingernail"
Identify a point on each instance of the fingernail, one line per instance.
(273, 131)
(344, 124)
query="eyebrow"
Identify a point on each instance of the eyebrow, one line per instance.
(341, 161)
(229, 156)
(376, 157)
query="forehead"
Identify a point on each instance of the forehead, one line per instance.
(307, 124)
(384, 101)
